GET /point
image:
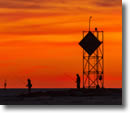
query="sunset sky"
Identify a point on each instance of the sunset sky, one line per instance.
(39, 40)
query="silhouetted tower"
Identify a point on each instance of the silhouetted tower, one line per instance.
(93, 58)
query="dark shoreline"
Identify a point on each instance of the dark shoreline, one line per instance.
(61, 96)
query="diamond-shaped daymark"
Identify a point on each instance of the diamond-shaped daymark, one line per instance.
(89, 43)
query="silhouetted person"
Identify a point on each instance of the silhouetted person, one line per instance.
(29, 85)
(5, 84)
(78, 81)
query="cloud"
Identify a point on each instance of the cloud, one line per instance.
(44, 4)
(28, 43)
(53, 16)
(53, 4)
(18, 4)
(15, 16)
(30, 4)
(104, 3)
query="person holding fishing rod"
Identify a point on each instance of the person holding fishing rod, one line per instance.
(77, 80)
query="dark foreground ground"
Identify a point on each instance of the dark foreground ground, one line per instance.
(61, 97)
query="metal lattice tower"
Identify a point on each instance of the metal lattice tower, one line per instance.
(93, 58)
(93, 65)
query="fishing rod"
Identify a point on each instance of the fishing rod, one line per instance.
(20, 79)
(71, 78)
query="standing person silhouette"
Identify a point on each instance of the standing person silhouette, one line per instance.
(29, 85)
(5, 84)
(78, 81)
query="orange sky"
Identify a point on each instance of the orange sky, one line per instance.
(39, 39)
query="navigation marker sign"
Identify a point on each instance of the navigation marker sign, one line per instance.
(89, 43)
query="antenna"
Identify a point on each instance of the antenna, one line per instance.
(89, 22)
